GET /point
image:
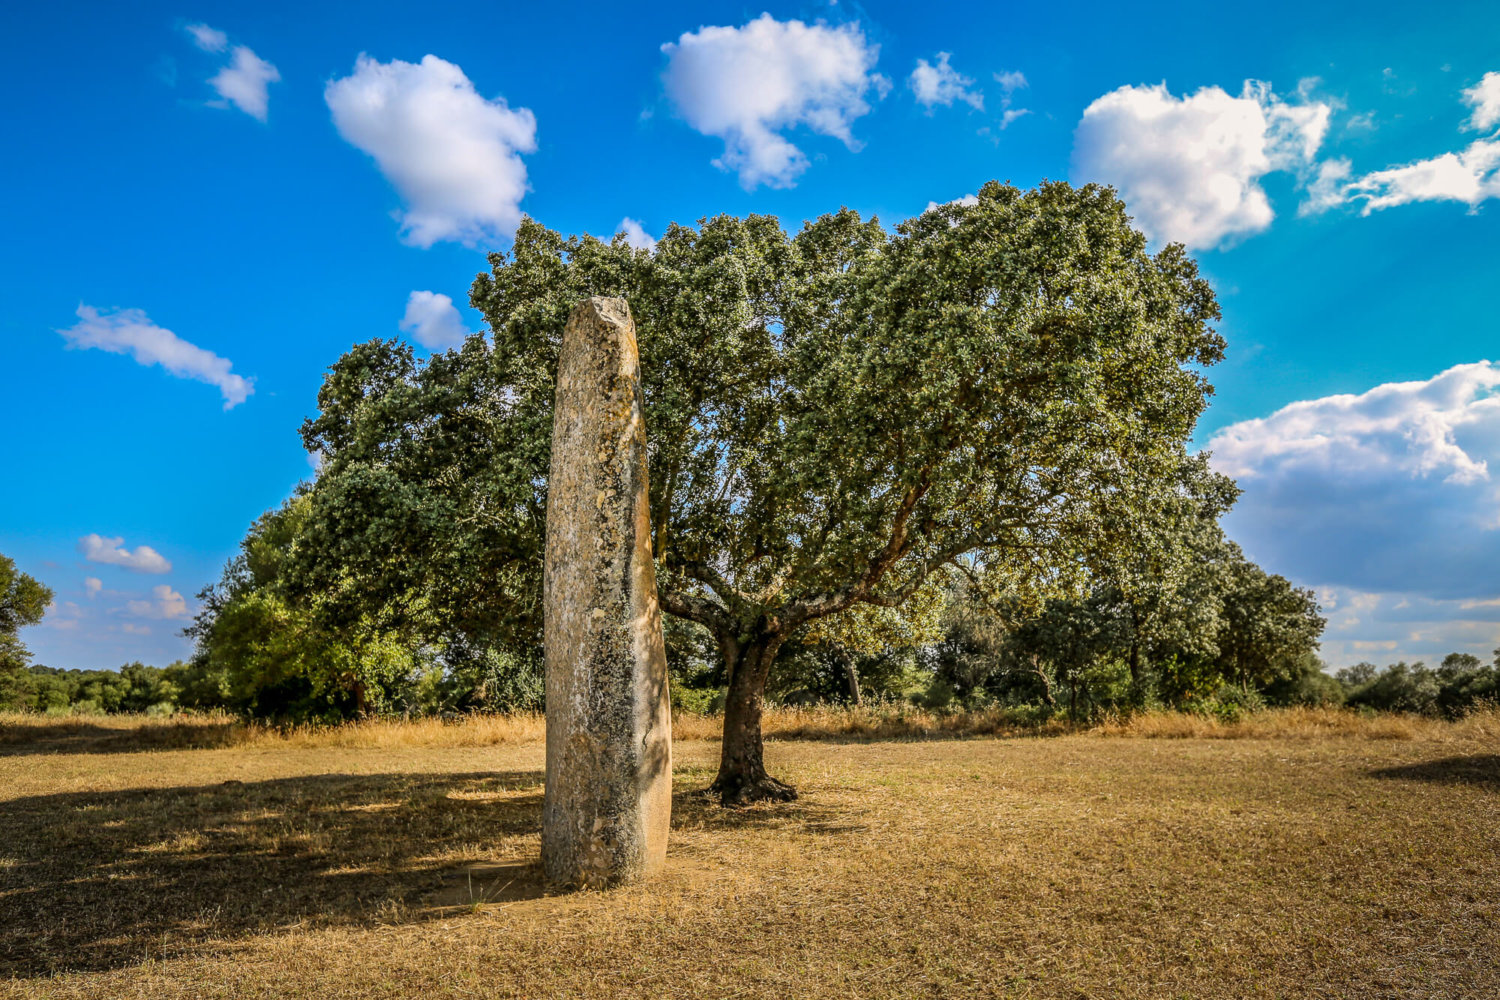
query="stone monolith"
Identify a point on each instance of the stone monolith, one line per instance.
(609, 727)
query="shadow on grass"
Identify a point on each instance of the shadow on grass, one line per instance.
(76, 736)
(1481, 770)
(98, 880)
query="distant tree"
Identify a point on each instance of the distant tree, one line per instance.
(1360, 673)
(1164, 592)
(1074, 637)
(1268, 624)
(974, 657)
(1401, 687)
(1457, 663)
(864, 630)
(1306, 683)
(268, 653)
(23, 601)
(833, 416)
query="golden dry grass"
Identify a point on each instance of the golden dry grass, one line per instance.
(876, 722)
(1312, 856)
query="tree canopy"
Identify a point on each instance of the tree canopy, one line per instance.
(23, 601)
(833, 416)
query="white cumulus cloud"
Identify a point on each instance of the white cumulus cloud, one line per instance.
(92, 585)
(1392, 490)
(1189, 168)
(452, 155)
(636, 235)
(939, 83)
(111, 552)
(165, 604)
(748, 85)
(434, 320)
(130, 331)
(1484, 98)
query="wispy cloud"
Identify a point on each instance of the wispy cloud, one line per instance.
(165, 604)
(244, 82)
(1469, 176)
(208, 39)
(1010, 82)
(1484, 98)
(130, 331)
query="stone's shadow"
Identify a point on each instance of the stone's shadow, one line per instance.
(483, 884)
(96, 880)
(73, 736)
(1481, 770)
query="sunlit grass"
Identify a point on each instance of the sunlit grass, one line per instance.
(1294, 853)
(874, 722)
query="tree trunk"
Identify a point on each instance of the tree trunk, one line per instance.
(851, 676)
(1047, 698)
(742, 768)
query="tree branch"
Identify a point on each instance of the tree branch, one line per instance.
(694, 608)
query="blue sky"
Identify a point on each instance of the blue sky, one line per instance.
(271, 184)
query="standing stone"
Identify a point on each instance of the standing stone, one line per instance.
(609, 726)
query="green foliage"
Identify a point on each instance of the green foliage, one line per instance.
(1210, 618)
(813, 673)
(1228, 703)
(23, 601)
(1269, 625)
(1454, 688)
(1308, 683)
(135, 687)
(833, 415)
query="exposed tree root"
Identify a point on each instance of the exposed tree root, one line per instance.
(739, 790)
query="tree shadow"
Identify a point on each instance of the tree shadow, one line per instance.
(78, 736)
(96, 880)
(1481, 770)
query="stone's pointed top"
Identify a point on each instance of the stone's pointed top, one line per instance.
(608, 309)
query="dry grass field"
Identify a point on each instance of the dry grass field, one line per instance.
(1296, 854)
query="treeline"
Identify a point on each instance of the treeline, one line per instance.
(134, 688)
(1454, 687)
(961, 671)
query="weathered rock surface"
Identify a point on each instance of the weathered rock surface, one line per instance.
(609, 727)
